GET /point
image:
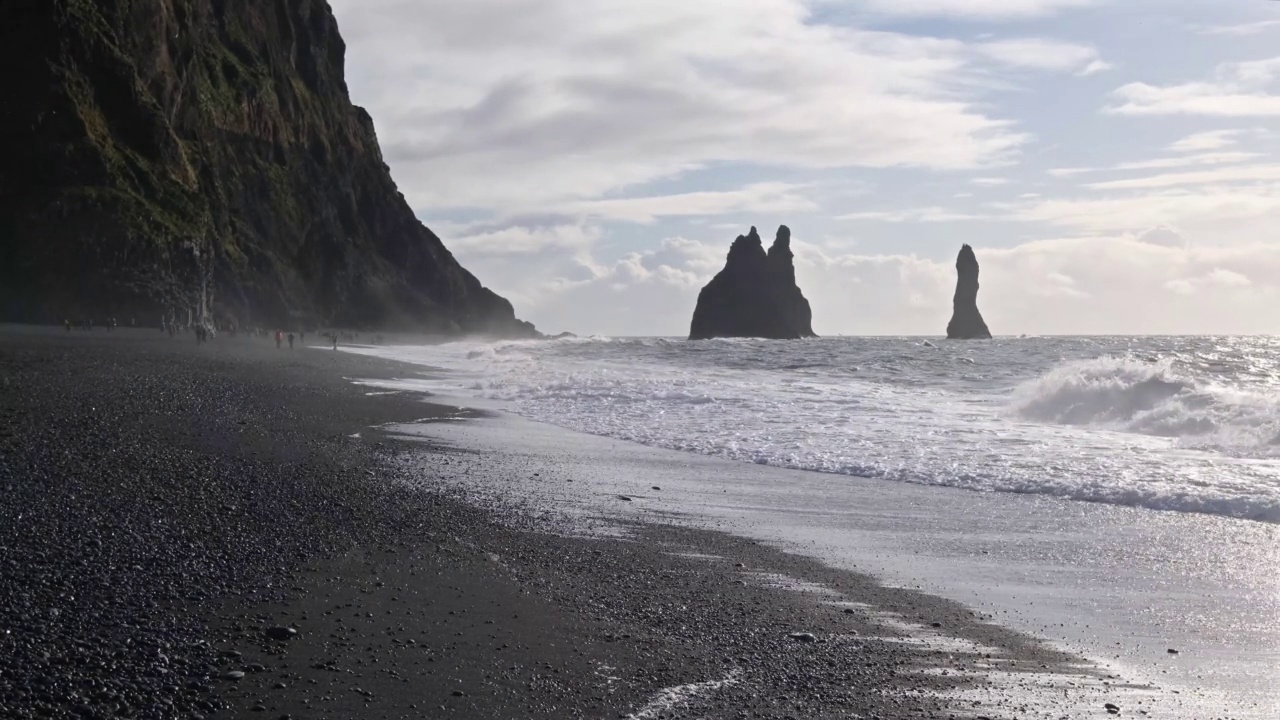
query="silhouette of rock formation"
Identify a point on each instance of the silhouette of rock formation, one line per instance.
(755, 295)
(966, 322)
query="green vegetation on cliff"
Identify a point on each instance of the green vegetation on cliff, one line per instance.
(149, 148)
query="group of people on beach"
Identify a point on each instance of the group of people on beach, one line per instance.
(280, 336)
(204, 332)
(87, 324)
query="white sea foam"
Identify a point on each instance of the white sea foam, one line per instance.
(1154, 398)
(1173, 424)
(668, 699)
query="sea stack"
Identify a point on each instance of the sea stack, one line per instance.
(966, 322)
(755, 295)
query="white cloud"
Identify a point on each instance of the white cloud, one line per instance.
(1199, 177)
(757, 197)
(1253, 73)
(1237, 212)
(517, 103)
(1217, 158)
(1164, 236)
(1228, 278)
(1239, 89)
(990, 181)
(1251, 28)
(1095, 67)
(521, 240)
(1214, 279)
(931, 214)
(649, 292)
(1207, 140)
(1043, 54)
(976, 9)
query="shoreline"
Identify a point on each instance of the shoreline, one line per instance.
(308, 520)
(1091, 580)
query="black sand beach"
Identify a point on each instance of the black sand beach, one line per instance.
(169, 511)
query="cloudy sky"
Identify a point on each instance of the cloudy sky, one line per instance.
(1115, 163)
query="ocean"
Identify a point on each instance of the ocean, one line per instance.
(1186, 424)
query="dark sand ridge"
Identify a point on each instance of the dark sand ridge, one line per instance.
(163, 506)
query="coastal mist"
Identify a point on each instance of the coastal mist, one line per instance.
(1188, 424)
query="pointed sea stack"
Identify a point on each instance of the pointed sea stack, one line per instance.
(966, 322)
(755, 295)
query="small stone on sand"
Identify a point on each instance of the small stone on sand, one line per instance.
(280, 632)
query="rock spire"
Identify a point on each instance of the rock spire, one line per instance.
(755, 295)
(966, 322)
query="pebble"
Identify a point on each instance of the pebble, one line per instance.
(280, 632)
(803, 637)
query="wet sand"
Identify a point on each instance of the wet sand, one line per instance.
(168, 509)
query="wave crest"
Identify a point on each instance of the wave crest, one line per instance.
(1158, 398)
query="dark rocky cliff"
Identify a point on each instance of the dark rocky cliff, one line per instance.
(755, 295)
(152, 149)
(966, 322)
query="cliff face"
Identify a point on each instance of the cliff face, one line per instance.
(966, 322)
(156, 153)
(755, 295)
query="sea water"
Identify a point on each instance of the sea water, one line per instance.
(1189, 424)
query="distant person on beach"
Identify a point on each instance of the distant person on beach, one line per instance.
(290, 341)
(68, 324)
(335, 341)
(279, 337)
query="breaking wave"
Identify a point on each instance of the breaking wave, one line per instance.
(1184, 424)
(1157, 398)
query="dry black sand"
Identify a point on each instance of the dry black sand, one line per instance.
(165, 508)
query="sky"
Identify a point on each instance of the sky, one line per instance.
(1114, 163)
